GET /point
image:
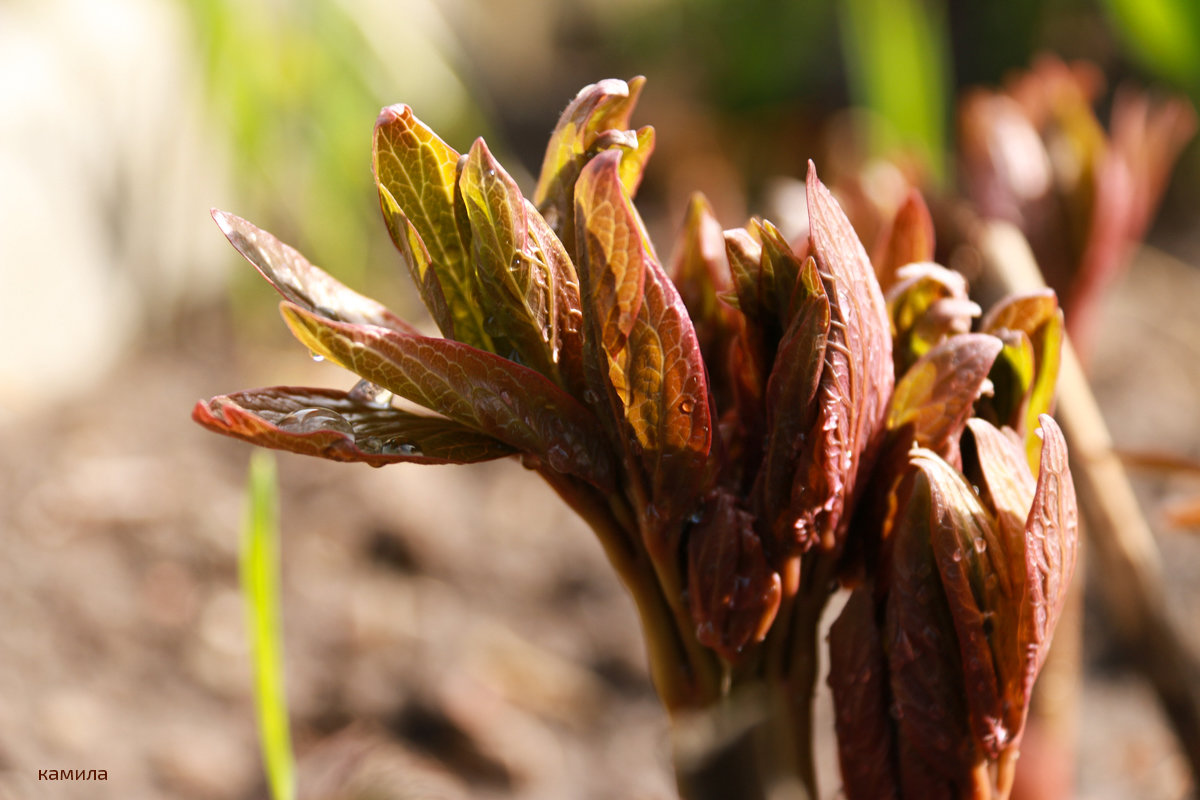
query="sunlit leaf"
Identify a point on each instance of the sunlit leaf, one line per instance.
(510, 402)
(926, 304)
(1038, 316)
(935, 396)
(733, 593)
(299, 281)
(596, 110)
(516, 281)
(1052, 545)
(857, 381)
(935, 744)
(415, 172)
(654, 367)
(344, 427)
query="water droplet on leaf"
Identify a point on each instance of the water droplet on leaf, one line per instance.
(366, 392)
(316, 356)
(311, 420)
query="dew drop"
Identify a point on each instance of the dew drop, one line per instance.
(366, 392)
(401, 447)
(310, 420)
(957, 555)
(590, 397)
(980, 544)
(315, 356)
(686, 407)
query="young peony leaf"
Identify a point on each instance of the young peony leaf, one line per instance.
(926, 304)
(1038, 316)
(1052, 545)
(647, 353)
(936, 395)
(791, 407)
(596, 120)
(490, 394)
(342, 426)
(733, 593)
(857, 381)
(934, 742)
(700, 271)
(743, 249)
(299, 281)
(416, 257)
(516, 280)
(908, 240)
(859, 680)
(415, 173)
(971, 555)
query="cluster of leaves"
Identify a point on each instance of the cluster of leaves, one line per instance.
(753, 412)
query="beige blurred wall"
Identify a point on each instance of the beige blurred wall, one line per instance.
(107, 172)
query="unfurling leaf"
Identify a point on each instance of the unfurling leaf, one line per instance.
(1038, 317)
(1052, 545)
(490, 394)
(415, 172)
(936, 394)
(857, 380)
(595, 121)
(643, 345)
(859, 680)
(927, 304)
(344, 427)
(733, 593)
(700, 271)
(934, 743)
(791, 407)
(524, 278)
(299, 281)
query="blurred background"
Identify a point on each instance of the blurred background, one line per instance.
(454, 631)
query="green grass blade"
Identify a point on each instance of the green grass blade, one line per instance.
(898, 65)
(260, 586)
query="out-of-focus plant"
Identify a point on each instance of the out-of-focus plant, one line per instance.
(293, 81)
(260, 585)
(1035, 154)
(744, 429)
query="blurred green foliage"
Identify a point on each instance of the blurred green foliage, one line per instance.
(898, 66)
(1163, 36)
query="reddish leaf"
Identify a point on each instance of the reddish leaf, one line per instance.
(415, 172)
(909, 239)
(344, 427)
(594, 121)
(791, 407)
(518, 272)
(649, 357)
(935, 396)
(420, 268)
(493, 395)
(857, 381)
(299, 281)
(859, 680)
(925, 673)
(734, 595)
(1052, 544)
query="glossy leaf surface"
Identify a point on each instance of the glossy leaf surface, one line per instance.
(415, 172)
(652, 360)
(733, 593)
(299, 281)
(493, 395)
(342, 427)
